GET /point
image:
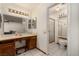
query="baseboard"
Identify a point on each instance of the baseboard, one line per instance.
(42, 51)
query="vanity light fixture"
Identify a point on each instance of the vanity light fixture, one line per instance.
(17, 12)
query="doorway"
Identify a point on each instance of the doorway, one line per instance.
(57, 24)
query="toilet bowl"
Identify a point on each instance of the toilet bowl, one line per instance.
(62, 43)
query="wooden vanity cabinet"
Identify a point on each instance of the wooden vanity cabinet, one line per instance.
(7, 49)
(32, 42)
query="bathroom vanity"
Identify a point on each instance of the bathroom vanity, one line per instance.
(14, 36)
(11, 22)
(8, 43)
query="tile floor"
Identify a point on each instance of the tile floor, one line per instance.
(54, 50)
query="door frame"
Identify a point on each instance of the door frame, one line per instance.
(68, 22)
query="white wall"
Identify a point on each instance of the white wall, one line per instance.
(42, 30)
(73, 31)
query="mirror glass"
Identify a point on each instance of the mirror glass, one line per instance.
(13, 24)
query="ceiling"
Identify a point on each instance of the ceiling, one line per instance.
(57, 8)
(29, 6)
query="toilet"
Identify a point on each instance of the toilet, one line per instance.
(62, 43)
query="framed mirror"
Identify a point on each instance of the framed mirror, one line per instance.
(13, 24)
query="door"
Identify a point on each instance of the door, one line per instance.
(51, 30)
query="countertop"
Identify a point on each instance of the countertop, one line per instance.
(14, 36)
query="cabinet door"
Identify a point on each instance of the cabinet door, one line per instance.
(7, 49)
(32, 42)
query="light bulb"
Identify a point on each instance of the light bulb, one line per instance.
(57, 9)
